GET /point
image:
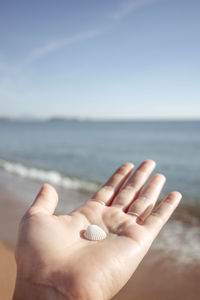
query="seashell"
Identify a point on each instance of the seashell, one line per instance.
(94, 233)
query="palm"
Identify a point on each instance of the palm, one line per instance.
(100, 268)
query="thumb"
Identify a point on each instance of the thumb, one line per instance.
(45, 202)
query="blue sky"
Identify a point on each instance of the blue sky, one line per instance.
(100, 59)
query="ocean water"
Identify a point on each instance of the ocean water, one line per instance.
(78, 156)
(83, 154)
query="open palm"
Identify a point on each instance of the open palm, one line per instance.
(52, 249)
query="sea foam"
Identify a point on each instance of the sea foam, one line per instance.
(180, 239)
(51, 176)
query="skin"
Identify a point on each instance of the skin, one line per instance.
(55, 261)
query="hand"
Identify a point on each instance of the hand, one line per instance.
(55, 259)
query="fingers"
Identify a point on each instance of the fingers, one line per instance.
(134, 184)
(45, 202)
(112, 186)
(159, 217)
(144, 204)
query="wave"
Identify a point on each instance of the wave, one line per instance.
(181, 239)
(50, 176)
(177, 236)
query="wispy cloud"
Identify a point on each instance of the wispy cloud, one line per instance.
(61, 43)
(124, 9)
(14, 77)
(127, 7)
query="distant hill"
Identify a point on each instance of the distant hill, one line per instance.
(37, 119)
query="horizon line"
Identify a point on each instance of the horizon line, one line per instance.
(100, 119)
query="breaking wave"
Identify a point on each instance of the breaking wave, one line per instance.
(182, 239)
(50, 176)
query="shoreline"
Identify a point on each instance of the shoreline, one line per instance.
(27, 172)
(172, 279)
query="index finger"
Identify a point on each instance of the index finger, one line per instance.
(108, 191)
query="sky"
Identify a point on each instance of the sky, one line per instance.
(108, 59)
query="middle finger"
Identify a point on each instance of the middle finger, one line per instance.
(135, 183)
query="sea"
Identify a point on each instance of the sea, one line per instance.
(80, 155)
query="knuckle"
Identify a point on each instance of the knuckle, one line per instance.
(108, 188)
(173, 196)
(169, 203)
(126, 166)
(29, 213)
(105, 190)
(144, 198)
(117, 177)
(130, 188)
(158, 217)
(146, 163)
(159, 176)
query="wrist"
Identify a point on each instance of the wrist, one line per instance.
(26, 289)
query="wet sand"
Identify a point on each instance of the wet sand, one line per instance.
(157, 278)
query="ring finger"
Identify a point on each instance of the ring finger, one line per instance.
(144, 204)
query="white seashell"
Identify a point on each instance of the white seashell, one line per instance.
(94, 233)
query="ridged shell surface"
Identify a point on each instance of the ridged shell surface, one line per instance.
(94, 233)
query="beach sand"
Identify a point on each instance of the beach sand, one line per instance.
(8, 271)
(157, 278)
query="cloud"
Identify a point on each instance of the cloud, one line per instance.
(60, 43)
(12, 76)
(127, 7)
